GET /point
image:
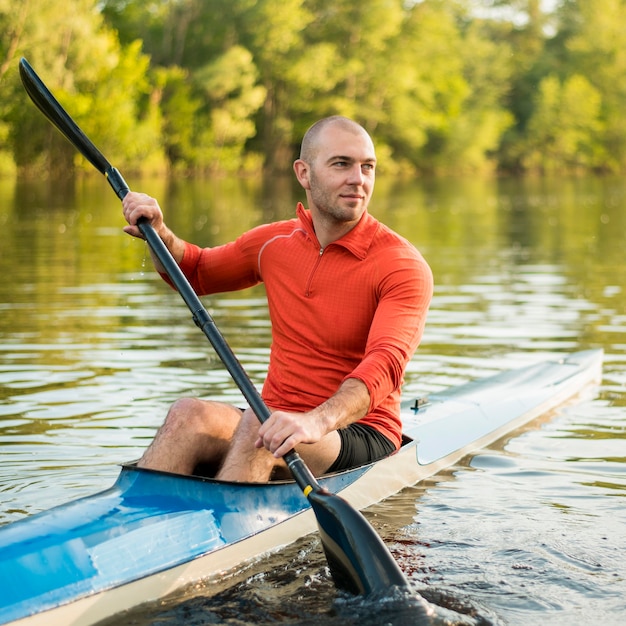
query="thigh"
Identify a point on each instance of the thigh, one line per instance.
(321, 455)
(318, 457)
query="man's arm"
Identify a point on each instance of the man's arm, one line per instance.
(284, 430)
(349, 404)
(138, 205)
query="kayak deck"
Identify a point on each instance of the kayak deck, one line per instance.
(152, 532)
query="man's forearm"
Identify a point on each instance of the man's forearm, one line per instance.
(349, 404)
(174, 244)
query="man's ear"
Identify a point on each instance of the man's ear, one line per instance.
(301, 168)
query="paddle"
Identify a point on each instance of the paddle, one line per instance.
(358, 559)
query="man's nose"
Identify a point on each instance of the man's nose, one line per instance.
(356, 176)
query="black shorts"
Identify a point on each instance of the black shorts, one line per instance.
(360, 444)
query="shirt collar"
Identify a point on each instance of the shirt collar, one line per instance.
(357, 241)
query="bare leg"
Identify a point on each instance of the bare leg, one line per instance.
(245, 462)
(194, 431)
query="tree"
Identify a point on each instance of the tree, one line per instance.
(445, 103)
(206, 79)
(230, 87)
(564, 133)
(274, 33)
(102, 84)
(597, 50)
(442, 85)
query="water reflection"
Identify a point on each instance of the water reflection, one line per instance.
(94, 348)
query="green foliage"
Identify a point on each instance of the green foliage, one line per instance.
(597, 50)
(230, 87)
(98, 81)
(181, 113)
(209, 86)
(564, 132)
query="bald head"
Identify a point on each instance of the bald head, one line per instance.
(311, 140)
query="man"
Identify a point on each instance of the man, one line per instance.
(347, 300)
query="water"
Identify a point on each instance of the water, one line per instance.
(94, 348)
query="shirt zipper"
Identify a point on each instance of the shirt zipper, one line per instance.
(307, 291)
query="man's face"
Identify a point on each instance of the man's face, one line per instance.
(341, 175)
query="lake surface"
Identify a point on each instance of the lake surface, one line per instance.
(94, 348)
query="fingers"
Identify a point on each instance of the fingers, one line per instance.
(273, 438)
(133, 231)
(278, 444)
(284, 431)
(139, 205)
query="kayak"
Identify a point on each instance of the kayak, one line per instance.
(153, 532)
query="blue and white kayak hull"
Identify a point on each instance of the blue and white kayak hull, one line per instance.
(152, 532)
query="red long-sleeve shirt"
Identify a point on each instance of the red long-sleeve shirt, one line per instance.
(355, 309)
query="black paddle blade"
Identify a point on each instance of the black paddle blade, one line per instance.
(50, 107)
(359, 561)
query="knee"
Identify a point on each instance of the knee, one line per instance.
(202, 418)
(249, 425)
(250, 419)
(187, 413)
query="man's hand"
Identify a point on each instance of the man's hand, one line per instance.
(283, 431)
(137, 205)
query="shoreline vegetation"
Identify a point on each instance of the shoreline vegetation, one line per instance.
(209, 88)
